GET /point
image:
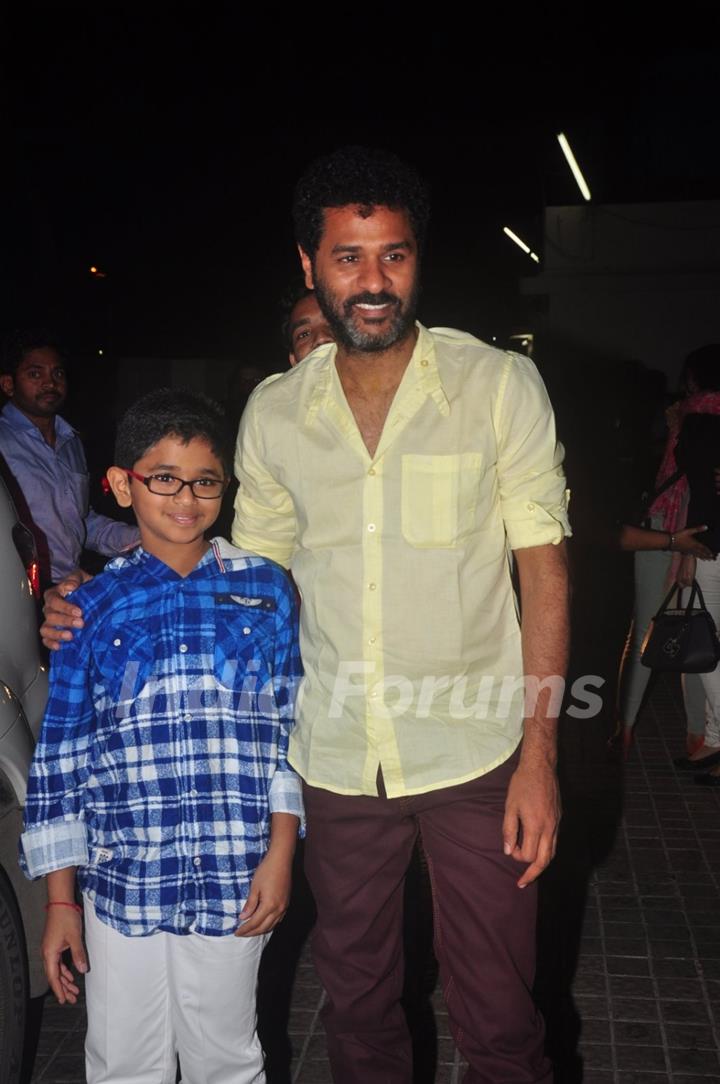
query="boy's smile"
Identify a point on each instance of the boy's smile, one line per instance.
(172, 527)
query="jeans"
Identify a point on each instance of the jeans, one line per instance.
(357, 852)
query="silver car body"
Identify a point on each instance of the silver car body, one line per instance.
(23, 693)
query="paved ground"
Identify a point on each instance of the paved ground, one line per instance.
(629, 974)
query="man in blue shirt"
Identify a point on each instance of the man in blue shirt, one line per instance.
(45, 463)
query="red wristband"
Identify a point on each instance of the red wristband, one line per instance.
(64, 903)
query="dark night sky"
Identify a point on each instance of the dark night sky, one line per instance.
(161, 142)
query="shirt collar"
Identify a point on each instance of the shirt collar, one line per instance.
(18, 420)
(422, 369)
(156, 568)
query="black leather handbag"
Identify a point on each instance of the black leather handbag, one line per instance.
(683, 640)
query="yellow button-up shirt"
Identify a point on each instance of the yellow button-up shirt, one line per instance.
(409, 631)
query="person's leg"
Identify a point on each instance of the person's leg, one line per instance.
(212, 983)
(651, 570)
(708, 576)
(357, 851)
(484, 933)
(695, 710)
(129, 1036)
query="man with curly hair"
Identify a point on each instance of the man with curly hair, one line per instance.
(398, 473)
(393, 473)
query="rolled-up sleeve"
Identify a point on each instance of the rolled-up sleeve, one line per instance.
(285, 794)
(264, 512)
(55, 835)
(531, 480)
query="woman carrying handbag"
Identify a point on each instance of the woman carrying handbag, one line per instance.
(698, 453)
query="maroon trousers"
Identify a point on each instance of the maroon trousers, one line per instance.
(357, 853)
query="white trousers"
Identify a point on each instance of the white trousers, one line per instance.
(152, 998)
(707, 575)
(651, 574)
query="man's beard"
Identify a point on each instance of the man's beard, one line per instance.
(339, 316)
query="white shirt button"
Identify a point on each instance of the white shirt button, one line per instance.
(371, 527)
(530, 506)
(372, 471)
(197, 861)
(246, 631)
(183, 648)
(193, 794)
(187, 718)
(372, 640)
(372, 586)
(117, 642)
(424, 363)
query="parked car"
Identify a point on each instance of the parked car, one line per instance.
(23, 692)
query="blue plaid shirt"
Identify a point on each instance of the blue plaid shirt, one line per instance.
(163, 749)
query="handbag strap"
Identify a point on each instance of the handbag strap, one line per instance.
(696, 592)
(648, 499)
(666, 601)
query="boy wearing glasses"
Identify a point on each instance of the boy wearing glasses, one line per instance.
(160, 782)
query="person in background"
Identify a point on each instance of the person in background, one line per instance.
(698, 454)
(304, 326)
(655, 564)
(44, 460)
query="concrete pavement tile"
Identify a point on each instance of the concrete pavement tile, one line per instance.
(684, 1060)
(695, 1036)
(628, 1008)
(685, 1012)
(680, 989)
(595, 1031)
(627, 965)
(645, 1058)
(596, 1055)
(637, 1031)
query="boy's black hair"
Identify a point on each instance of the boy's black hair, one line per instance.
(357, 175)
(170, 412)
(21, 342)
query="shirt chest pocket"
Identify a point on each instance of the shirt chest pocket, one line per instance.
(124, 661)
(244, 639)
(78, 490)
(439, 498)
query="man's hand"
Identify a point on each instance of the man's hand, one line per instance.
(532, 816)
(61, 616)
(63, 930)
(532, 807)
(269, 896)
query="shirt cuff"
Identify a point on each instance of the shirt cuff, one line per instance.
(48, 847)
(285, 796)
(529, 523)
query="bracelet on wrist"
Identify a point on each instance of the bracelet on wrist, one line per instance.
(63, 903)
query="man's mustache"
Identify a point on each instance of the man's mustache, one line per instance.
(366, 298)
